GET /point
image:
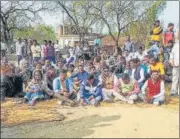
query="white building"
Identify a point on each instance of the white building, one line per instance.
(71, 37)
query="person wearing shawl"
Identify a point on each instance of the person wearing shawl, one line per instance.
(37, 89)
(107, 80)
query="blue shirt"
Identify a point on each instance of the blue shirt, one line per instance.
(81, 76)
(86, 90)
(58, 87)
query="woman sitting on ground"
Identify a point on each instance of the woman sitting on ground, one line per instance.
(37, 89)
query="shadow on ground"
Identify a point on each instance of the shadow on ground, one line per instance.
(63, 129)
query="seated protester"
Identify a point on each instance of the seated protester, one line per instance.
(37, 89)
(69, 60)
(127, 67)
(153, 90)
(88, 66)
(61, 88)
(128, 88)
(157, 66)
(81, 74)
(59, 67)
(42, 61)
(101, 67)
(96, 62)
(39, 67)
(167, 51)
(70, 70)
(118, 58)
(23, 61)
(168, 72)
(140, 54)
(11, 83)
(103, 55)
(27, 76)
(111, 63)
(75, 86)
(136, 72)
(146, 67)
(153, 50)
(132, 55)
(49, 77)
(90, 91)
(107, 80)
(46, 66)
(94, 72)
(126, 55)
(120, 67)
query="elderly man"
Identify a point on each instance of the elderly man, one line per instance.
(174, 60)
(107, 80)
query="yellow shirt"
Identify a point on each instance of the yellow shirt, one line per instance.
(158, 67)
(156, 37)
(36, 51)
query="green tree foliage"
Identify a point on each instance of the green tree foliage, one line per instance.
(139, 30)
(40, 33)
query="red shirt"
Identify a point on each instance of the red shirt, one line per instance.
(153, 87)
(168, 35)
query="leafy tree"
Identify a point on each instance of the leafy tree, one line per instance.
(78, 16)
(40, 33)
(118, 15)
(17, 15)
(140, 30)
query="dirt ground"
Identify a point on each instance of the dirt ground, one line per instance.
(108, 120)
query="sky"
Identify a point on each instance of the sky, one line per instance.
(170, 14)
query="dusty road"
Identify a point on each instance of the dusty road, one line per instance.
(117, 121)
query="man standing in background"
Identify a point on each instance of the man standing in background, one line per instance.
(168, 35)
(19, 48)
(156, 32)
(174, 60)
(57, 50)
(129, 45)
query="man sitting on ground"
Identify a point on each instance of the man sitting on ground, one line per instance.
(128, 88)
(61, 88)
(153, 89)
(107, 80)
(90, 91)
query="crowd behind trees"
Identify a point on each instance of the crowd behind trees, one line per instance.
(88, 75)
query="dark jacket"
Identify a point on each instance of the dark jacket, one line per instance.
(10, 87)
(136, 73)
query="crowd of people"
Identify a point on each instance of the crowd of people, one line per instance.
(88, 75)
